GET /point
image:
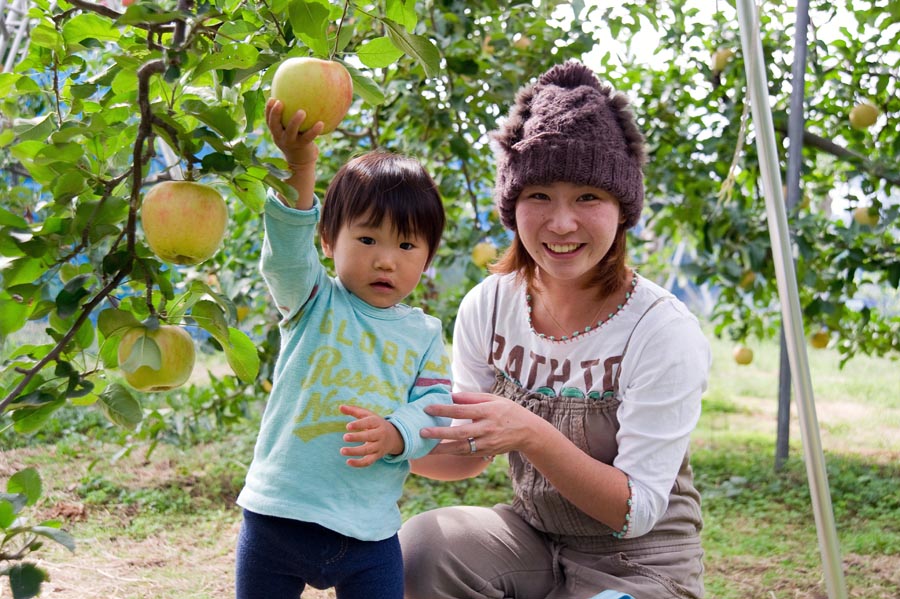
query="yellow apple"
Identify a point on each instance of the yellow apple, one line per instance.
(522, 43)
(173, 354)
(720, 58)
(863, 115)
(819, 339)
(743, 355)
(184, 222)
(866, 215)
(747, 280)
(322, 88)
(484, 253)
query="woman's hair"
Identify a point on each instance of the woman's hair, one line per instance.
(381, 184)
(609, 273)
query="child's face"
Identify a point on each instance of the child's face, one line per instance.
(375, 263)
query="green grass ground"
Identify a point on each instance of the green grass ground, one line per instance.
(165, 526)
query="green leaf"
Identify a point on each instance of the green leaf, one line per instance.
(8, 83)
(28, 483)
(144, 352)
(21, 270)
(309, 18)
(403, 12)
(229, 56)
(418, 47)
(13, 316)
(251, 192)
(7, 512)
(121, 407)
(242, 355)
(89, 25)
(29, 421)
(217, 162)
(55, 534)
(9, 219)
(211, 318)
(217, 118)
(25, 580)
(365, 88)
(46, 36)
(112, 321)
(379, 53)
(69, 298)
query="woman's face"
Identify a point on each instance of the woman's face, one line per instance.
(567, 228)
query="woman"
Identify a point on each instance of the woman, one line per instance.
(586, 374)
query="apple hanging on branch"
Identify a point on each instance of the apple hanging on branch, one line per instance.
(322, 88)
(156, 359)
(184, 222)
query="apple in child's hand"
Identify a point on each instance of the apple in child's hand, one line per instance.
(322, 88)
(184, 222)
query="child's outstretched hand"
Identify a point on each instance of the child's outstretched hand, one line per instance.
(299, 149)
(378, 437)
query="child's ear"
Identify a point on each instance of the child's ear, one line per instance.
(326, 247)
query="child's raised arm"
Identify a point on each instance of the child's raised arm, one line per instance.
(299, 150)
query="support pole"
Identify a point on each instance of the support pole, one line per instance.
(789, 297)
(796, 122)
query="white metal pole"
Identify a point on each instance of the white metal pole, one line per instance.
(790, 303)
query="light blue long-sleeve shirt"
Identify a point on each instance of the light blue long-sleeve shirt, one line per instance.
(337, 349)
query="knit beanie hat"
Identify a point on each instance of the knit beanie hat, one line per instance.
(569, 127)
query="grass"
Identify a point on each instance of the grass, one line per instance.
(166, 525)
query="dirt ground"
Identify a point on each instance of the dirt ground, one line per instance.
(197, 561)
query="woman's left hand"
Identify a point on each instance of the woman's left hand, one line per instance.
(497, 426)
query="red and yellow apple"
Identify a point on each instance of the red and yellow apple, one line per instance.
(184, 222)
(322, 88)
(173, 354)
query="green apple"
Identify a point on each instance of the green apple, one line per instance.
(184, 222)
(322, 88)
(743, 355)
(484, 253)
(156, 359)
(719, 59)
(863, 115)
(866, 216)
(819, 339)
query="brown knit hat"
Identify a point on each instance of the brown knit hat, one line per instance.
(569, 127)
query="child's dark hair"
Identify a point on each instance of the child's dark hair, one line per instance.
(381, 184)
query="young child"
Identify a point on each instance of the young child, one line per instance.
(355, 372)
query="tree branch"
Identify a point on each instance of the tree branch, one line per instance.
(826, 145)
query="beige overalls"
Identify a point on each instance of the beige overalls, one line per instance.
(542, 546)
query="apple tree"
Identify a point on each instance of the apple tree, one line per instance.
(109, 102)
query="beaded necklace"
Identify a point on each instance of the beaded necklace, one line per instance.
(589, 327)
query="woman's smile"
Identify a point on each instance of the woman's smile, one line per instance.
(562, 248)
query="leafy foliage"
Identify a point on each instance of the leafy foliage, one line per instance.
(19, 539)
(108, 102)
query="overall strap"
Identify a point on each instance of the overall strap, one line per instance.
(658, 301)
(490, 359)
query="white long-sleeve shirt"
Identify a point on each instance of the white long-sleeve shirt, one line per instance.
(662, 375)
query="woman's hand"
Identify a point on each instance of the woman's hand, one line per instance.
(498, 425)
